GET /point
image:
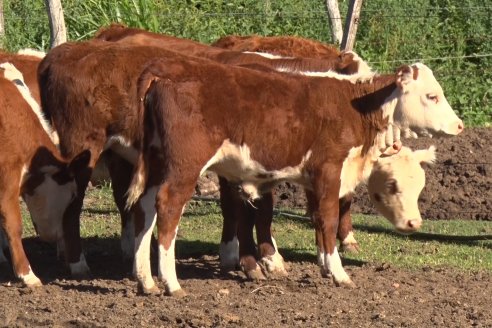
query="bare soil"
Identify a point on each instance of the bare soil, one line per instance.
(385, 296)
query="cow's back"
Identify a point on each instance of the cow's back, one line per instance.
(28, 66)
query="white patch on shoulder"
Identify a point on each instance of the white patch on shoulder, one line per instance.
(122, 147)
(266, 55)
(234, 163)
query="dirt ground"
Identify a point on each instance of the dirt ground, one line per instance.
(384, 297)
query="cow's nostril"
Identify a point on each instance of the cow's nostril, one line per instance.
(413, 224)
(461, 127)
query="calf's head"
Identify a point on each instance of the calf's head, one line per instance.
(395, 184)
(48, 191)
(422, 109)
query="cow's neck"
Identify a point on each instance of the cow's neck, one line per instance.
(357, 167)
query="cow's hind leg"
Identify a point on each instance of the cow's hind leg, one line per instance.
(345, 230)
(171, 200)
(11, 222)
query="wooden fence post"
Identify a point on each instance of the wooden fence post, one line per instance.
(351, 24)
(335, 21)
(58, 31)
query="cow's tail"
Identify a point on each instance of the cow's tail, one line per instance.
(145, 126)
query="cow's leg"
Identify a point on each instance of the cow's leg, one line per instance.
(145, 217)
(171, 199)
(121, 171)
(3, 247)
(345, 229)
(326, 185)
(232, 208)
(270, 258)
(11, 222)
(247, 246)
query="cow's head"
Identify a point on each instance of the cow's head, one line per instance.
(395, 184)
(48, 191)
(422, 109)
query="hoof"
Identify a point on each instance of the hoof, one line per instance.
(81, 275)
(345, 284)
(273, 266)
(154, 290)
(325, 273)
(255, 274)
(178, 293)
(33, 283)
(353, 248)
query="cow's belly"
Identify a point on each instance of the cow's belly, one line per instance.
(234, 163)
(123, 148)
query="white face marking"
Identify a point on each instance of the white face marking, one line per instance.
(141, 262)
(395, 184)
(422, 107)
(167, 266)
(47, 204)
(80, 268)
(122, 147)
(234, 163)
(229, 254)
(30, 279)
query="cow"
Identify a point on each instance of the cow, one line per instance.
(415, 126)
(256, 129)
(325, 56)
(32, 168)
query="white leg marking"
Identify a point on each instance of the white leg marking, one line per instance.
(30, 279)
(333, 264)
(128, 239)
(141, 263)
(167, 266)
(349, 239)
(80, 268)
(274, 263)
(229, 254)
(321, 262)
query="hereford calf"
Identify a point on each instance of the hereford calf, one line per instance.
(30, 167)
(257, 129)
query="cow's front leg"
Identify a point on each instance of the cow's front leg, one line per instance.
(345, 229)
(325, 214)
(270, 259)
(171, 200)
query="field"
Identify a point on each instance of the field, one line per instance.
(441, 276)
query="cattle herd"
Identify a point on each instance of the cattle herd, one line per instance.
(159, 111)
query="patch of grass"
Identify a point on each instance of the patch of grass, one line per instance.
(461, 245)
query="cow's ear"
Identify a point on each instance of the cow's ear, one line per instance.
(405, 75)
(426, 155)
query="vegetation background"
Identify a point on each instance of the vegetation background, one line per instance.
(452, 37)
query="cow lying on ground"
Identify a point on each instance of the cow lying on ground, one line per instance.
(229, 253)
(256, 129)
(30, 167)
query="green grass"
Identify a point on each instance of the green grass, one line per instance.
(462, 245)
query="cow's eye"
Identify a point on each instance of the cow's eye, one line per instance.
(392, 186)
(433, 97)
(377, 197)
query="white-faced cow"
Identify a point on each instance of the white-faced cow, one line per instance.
(31, 167)
(256, 129)
(439, 121)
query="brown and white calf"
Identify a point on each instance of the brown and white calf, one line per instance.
(31, 167)
(257, 129)
(439, 122)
